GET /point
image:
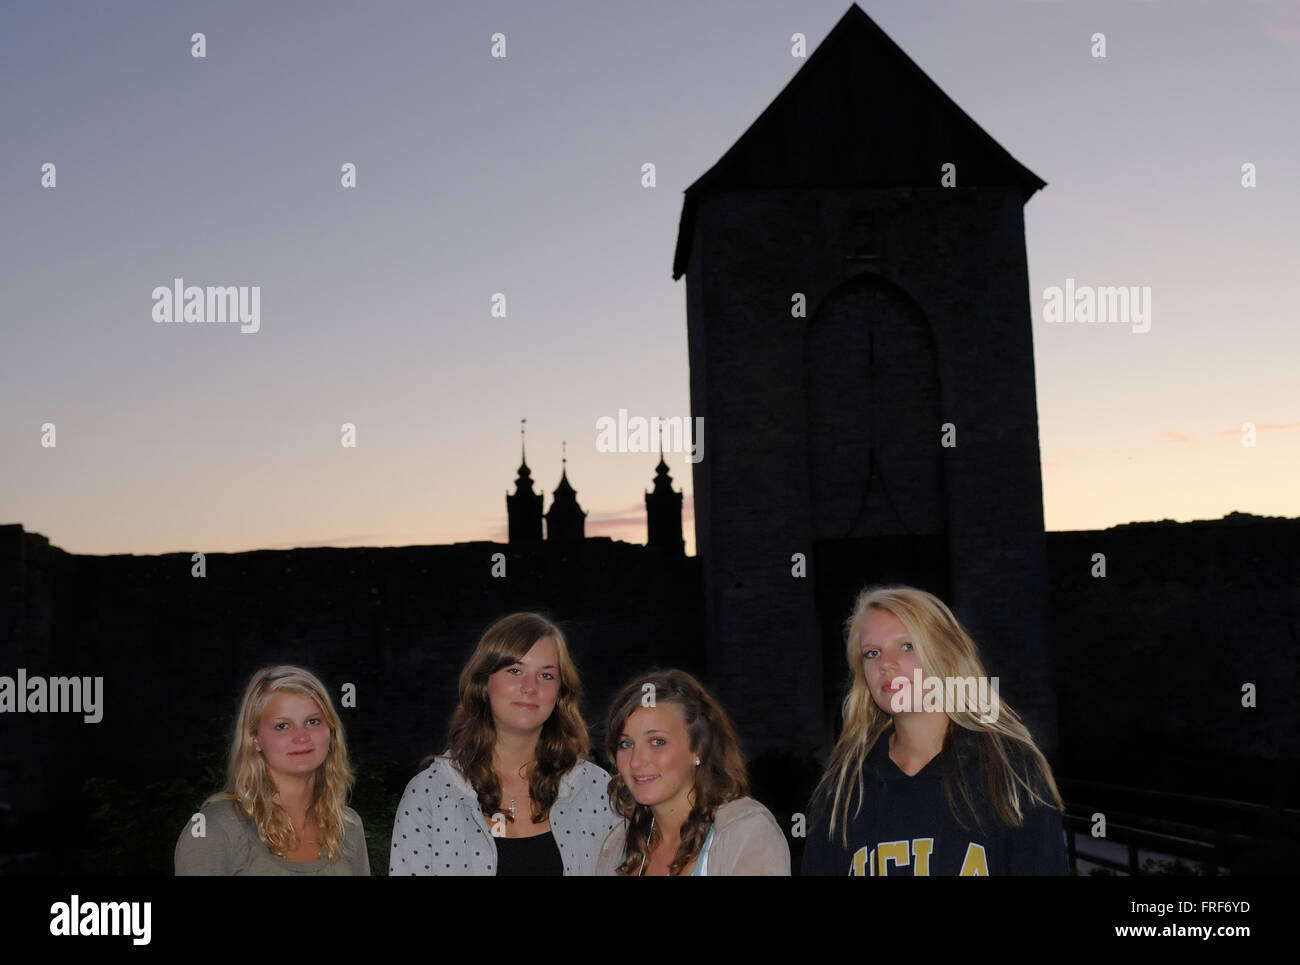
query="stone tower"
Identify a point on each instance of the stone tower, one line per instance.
(860, 347)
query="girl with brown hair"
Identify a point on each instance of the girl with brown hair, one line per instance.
(512, 794)
(681, 787)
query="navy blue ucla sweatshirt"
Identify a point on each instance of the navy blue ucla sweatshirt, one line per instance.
(906, 827)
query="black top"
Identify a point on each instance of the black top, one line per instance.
(906, 827)
(538, 855)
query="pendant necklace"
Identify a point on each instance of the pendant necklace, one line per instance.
(513, 815)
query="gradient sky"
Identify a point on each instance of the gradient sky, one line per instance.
(522, 175)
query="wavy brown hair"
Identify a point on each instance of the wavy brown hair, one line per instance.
(1005, 757)
(249, 785)
(719, 778)
(472, 732)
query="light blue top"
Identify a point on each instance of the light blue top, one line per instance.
(702, 863)
(744, 840)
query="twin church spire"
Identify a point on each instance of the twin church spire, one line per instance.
(523, 506)
(663, 510)
(566, 520)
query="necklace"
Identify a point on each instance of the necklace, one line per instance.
(527, 797)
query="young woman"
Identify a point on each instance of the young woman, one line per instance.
(921, 785)
(681, 787)
(284, 809)
(512, 795)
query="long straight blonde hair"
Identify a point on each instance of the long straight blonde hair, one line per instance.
(944, 649)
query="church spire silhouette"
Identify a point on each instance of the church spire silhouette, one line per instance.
(663, 509)
(565, 520)
(523, 506)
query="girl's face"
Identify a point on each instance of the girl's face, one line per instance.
(523, 695)
(655, 757)
(292, 736)
(889, 661)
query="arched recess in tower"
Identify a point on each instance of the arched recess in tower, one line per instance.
(877, 478)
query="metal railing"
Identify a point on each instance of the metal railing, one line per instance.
(1215, 835)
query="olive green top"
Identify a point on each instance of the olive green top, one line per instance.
(230, 846)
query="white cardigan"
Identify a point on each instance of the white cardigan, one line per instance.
(441, 829)
(746, 841)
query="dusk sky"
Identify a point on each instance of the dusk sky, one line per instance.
(523, 175)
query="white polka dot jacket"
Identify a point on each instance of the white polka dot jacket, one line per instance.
(441, 830)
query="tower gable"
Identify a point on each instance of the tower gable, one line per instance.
(859, 114)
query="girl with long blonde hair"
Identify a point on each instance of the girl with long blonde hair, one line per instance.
(284, 807)
(933, 773)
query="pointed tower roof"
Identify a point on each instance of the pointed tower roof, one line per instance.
(859, 114)
(663, 480)
(564, 494)
(524, 480)
(565, 520)
(663, 509)
(523, 506)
